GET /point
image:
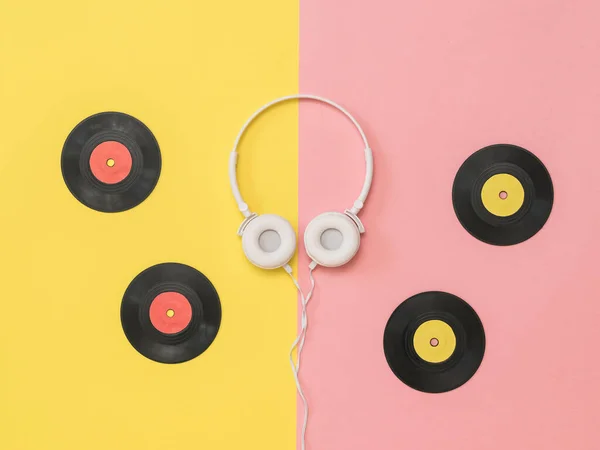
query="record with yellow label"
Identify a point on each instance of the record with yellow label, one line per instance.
(503, 194)
(434, 342)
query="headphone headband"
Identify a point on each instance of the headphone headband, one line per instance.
(358, 203)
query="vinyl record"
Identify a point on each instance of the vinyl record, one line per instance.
(502, 194)
(434, 342)
(171, 313)
(111, 162)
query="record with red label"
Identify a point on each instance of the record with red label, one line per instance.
(171, 313)
(111, 162)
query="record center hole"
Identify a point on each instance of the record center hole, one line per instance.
(269, 241)
(503, 195)
(170, 313)
(331, 239)
(110, 162)
(434, 342)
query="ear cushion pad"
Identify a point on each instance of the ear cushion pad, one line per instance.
(350, 239)
(251, 245)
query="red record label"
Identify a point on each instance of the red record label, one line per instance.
(170, 312)
(110, 162)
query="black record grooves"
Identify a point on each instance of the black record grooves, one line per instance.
(402, 357)
(186, 344)
(145, 167)
(502, 159)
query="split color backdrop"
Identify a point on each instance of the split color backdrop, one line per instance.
(431, 82)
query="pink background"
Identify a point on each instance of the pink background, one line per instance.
(432, 82)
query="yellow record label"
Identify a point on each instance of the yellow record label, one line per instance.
(502, 195)
(434, 341)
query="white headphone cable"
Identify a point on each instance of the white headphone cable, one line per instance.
(299, 343)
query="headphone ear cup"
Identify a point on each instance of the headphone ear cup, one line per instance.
(279, 253)
(331, 257)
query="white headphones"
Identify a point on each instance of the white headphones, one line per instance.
(347, 224)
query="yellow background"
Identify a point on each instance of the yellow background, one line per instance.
(192, 71)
